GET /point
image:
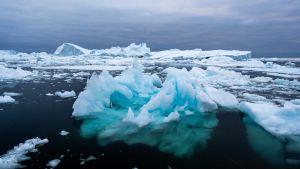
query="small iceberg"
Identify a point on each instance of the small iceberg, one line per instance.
(65, 94)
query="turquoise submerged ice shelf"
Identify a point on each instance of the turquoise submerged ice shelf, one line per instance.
(176, 116)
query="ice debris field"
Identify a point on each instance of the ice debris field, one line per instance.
(165, 99)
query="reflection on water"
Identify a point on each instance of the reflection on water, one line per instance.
(178, 137)
(264, 144)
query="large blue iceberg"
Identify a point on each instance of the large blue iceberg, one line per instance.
(177, 115)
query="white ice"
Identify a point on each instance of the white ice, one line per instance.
(6, 99)
(53, 163)
(11, 73)
(12, 158)
(65, 94)
(275, 119)
(64, 133)
(12, 94)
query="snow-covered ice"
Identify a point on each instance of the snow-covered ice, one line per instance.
(275, 119)
(12, 158)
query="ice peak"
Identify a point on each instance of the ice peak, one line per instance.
(69, 49)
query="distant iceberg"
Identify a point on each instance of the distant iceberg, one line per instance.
(69, 49)
(133, 50)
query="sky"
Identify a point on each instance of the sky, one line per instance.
(257, 25)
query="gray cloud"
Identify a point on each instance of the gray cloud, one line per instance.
(259, 25)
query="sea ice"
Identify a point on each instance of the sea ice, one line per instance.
(12, 158)
(253, 97)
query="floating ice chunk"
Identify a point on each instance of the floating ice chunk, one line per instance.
(12, 158)
(253, 97)
(12, 94)
(64, 133)
(136, 108)
(277, 120)
(222, 98)
(6, 99)
(49, 94)
(81, 74)
(65, 94)
(10, 73)
(174, 116)
(53, 163)
(60, 75)
(90, 158)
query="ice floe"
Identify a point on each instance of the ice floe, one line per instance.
(11, 73)
(12, 158)
(65, 94)
(6, 99)
(275, 119)
(64, 133)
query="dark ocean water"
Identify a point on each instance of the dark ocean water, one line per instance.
(236, 142)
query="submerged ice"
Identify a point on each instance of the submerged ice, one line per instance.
(176, 115)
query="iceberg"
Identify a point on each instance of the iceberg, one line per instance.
(69, 49)
(12, 158)
(176, 115)
(133, 50)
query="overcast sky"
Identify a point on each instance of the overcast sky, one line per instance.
(258, 25)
